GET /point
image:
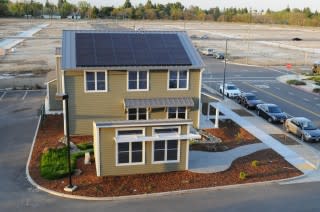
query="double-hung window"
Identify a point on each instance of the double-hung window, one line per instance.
(177, 112)
(130, 152)
(138, 80)
(166, 150)
(178, 80)
(137, 114)
(95, 81)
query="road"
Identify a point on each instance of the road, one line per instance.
(18, 120)
(262, 82)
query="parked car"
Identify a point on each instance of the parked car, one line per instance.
(271, 112)
(303, 128)
(219, 55)
(207, 51)
(204, 37)
(193, 36)
(230, 90)
(249, 100)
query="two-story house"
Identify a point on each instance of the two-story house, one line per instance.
(137, 93)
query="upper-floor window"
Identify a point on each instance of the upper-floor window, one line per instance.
(138, 80)
(95, 81)
(178, 79)
(137, 114)
(177, 113)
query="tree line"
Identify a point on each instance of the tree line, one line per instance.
(151, 11)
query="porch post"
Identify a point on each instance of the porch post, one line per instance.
(208, 111)
(216, 120)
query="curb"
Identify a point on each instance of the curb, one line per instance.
(139, 196)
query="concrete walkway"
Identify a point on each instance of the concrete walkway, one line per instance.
(291, 156)
(210, 162)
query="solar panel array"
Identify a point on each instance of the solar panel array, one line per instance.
(130, 49)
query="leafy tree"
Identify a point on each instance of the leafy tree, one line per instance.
(83, 8)
(4, 11)
(105, 12)
(127, 4)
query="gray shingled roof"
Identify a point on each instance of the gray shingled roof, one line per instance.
(159, 102)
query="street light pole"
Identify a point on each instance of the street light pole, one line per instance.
(224, 70)
(65, 98)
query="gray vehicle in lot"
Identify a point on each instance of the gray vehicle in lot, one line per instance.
(271, 112)
(303, 128)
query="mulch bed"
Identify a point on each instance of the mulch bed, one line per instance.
(242, 112)
(232, 135)
(284, 139)
(271, 167)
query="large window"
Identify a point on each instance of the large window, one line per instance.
(138, 80)
(177, 113)
(95, 81)
(165, 151)
(130, 153)
(137, 114)
(178, 80)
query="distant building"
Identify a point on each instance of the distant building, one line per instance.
(51, 16)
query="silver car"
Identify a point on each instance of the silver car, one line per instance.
(303, 128)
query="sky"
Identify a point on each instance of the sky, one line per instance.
(274, 5)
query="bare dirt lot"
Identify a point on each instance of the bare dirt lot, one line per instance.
(266, 45)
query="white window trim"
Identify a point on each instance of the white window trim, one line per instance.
(186, 112)
(130, 148)
(133, 90)
(95, 85)
(178, 77)
(166, 146)
(137, 113)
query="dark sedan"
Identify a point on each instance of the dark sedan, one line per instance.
(303, 128)
(271, 112)
(249, 100)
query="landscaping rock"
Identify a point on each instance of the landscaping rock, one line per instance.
(77, 172)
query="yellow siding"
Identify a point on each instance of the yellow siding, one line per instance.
(84, 108)
(108, 156)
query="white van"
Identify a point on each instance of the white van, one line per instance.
(207, 51)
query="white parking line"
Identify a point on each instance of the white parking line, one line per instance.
(290, 93)
(305, 99)
(25, 94)
(4, 93)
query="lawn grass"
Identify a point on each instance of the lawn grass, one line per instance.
(315, 78)
(54, 163)
(85, 146)
(295, 82)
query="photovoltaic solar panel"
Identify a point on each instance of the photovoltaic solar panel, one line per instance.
(129, 49)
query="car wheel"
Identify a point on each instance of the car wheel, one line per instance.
(247, 106)
(258, 112)
(220, 91)
(269, 119)
(302, 138)
(227, 95)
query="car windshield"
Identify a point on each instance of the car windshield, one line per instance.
(308, 125)
(251, 97)
(210, 50)
(231, 87)
(273, 109)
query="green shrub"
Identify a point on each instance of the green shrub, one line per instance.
(255, 163)
(54, 163)
(85, 146)
(295, 82)
(243, 175)
(314, 78)
(316, 90)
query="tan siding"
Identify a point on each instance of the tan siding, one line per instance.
(108, 157)
(87, 107)
(54, 104)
